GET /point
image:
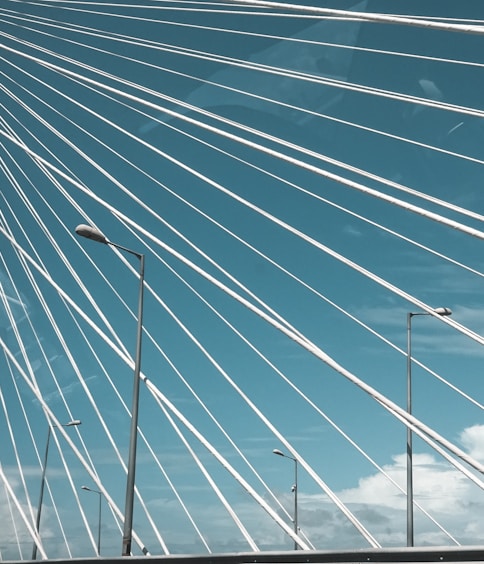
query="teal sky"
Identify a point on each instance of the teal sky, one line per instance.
(243, 142)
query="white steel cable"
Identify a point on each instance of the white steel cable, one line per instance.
(130, 39)
(336, 500)
(321, 115)
(304, 110)
(305, 343)
(22, 348)
(261, 416)
(59, 251)
(297, 9)
(305, 397)
(35, 536)
(303, 165)
(221, 459)
(186, 383)
(319, 156)
(244, 532)
(76, 496)
(155, 391)
(354, 215)
(476, 337)
(426, 23)
(76, 451)
(308, 239)
(14, 525)
(140, 202)
(469, 213)
(239, 63)
(38, 340)
(108, 433)
(241, 455)
(213, 484)
(362, 218)
(105, 34)
(11, 434)
(327, 174)
(381, 399)
(80, 379)
(470, 475)
(28, 364)
(187, 512)
(141, 434)
(76, 369)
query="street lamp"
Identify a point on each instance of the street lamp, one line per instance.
(443, 311)
(96, 235)
(73, 423)
(99, 518)
(293, 489)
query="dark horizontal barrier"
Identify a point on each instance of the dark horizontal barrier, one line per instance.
(428, 554)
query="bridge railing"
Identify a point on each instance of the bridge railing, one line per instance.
(426, 554)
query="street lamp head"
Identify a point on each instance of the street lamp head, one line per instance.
(73, 423)
(278, 452)
(91, 233)
(90, 490)
(443, 311)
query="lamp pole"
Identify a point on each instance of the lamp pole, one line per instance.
(72, 423)
(294, 489)
(99, 517)
(96, 235)
(443, 311)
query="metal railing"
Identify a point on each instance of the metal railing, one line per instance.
(427, 554)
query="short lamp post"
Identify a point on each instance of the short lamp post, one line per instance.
(443, 311)
(96, 235)
(98, 519)
(73, 423)
(294, 489)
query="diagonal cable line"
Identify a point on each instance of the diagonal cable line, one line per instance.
(303, 165)
(291, 210)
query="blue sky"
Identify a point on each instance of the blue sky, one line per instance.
(155, 181)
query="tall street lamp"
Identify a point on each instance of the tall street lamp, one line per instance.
(99, 517)
(72, 423)
(294, 489)
(96, 235)
(443, 311)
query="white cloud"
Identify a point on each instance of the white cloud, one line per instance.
(453, 501)
(473, 440)
(442, 491)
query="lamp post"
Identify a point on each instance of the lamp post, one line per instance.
(294, 489)
(96, 235)
(443, 311)
(99, 517)
(72, 423)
